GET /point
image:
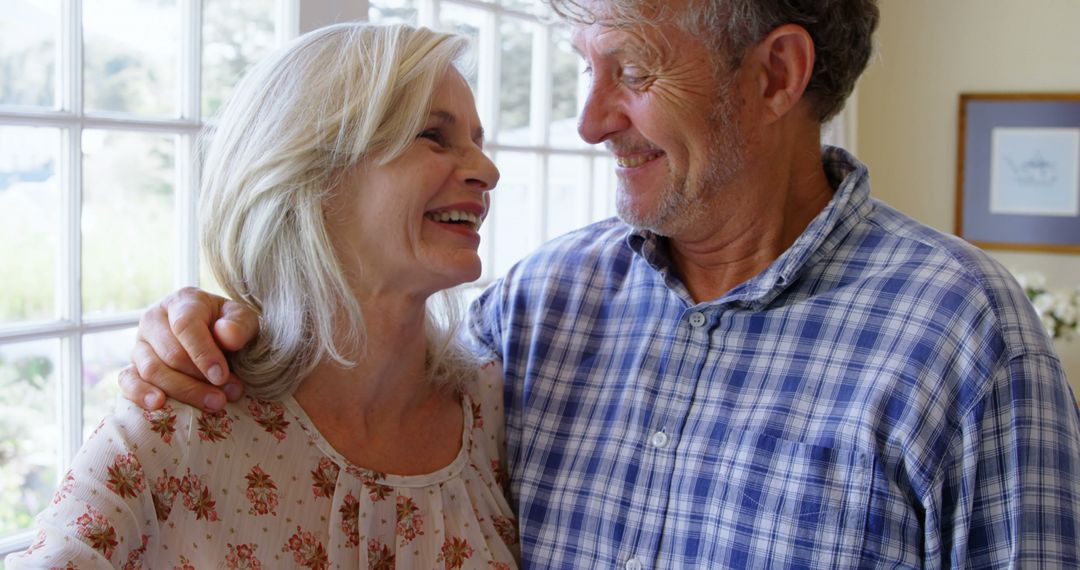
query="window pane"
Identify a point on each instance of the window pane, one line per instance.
(30, 431)
(567, 198)
(514, 219)
(565, 74)
(604, 188)
(104, 354)
(128, 222)
(131, 56)
(30, 218)
(236, 33)
(467, 22)
(515, 75)
(393, 11)
(28, 33)
(530, 6)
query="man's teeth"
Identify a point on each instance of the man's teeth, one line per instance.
(634, 161)
(456, 216)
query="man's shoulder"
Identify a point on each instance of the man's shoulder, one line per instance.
(603, 240)
(925, 261)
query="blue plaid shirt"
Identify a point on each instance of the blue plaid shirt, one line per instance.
(882, 395)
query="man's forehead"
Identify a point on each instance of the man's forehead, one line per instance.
(640, 40)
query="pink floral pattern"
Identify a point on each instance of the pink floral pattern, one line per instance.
(507, 529)
(242, 557)
(271, 416)
(65, 487)
(350, 520)
(214, 426)
(261, 492)
(97, 531)
(125, 476)
(455, 551)
(162, 422)
(409, 522)
(39, 541)
(372, 482)
(164, 493)
(135, 557)
(380, 557)
(228, 495)
(324, 478)
(197, 497)
(477, 416)
(307, 550)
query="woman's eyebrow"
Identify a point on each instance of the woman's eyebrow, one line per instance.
(447, 119)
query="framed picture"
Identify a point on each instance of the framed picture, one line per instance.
(1018, 178)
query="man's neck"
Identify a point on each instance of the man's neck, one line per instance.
(749, 228)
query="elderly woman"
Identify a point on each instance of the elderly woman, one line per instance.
(343, 188)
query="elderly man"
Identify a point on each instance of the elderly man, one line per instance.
(758, 366)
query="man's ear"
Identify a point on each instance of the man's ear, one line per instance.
(782, 64)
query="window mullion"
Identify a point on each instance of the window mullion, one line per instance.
(70, 392)
(190, 82)
(428, 13)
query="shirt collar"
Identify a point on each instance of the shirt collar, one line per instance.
(849, 205)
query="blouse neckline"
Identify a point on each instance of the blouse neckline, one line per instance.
(370, 476)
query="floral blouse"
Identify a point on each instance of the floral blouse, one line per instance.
(256, 486)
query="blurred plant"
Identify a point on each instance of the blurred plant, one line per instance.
(1059, 309)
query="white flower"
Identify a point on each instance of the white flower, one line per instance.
(1043, 302)
(1059, 311)
(1050, 325)
(1064, 308)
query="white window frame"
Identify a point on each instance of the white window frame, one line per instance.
(294, 17)
(70, 325)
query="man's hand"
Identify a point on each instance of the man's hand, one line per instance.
(179, 349)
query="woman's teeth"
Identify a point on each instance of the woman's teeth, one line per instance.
(455, 216)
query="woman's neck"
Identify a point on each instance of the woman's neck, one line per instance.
(384, 413)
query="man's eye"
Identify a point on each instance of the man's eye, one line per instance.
(633, 78)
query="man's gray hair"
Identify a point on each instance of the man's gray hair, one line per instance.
(842, 31)
(296, 122)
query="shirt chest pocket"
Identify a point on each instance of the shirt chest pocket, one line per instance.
(781, 503)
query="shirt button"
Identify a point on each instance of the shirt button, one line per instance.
(633, 564)
(697, 320)
(660, 439)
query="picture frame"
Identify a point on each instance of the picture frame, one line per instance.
(1018, 172)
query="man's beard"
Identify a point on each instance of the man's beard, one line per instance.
(682, 203)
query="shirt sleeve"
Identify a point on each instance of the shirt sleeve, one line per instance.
(107, 509)
(484, 336)
(1011, 497)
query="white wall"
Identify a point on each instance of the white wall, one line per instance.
(929, 51)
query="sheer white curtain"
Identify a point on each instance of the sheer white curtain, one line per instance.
(841, 130)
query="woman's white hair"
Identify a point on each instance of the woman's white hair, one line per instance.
(294, 124)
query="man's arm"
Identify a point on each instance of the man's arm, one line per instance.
(178, 351)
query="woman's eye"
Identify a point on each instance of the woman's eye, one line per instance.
(433, 135)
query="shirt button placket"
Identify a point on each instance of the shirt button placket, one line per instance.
(697, 319)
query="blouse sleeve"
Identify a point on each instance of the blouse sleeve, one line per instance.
(109, 505)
